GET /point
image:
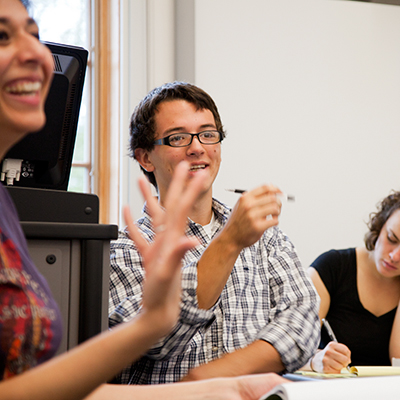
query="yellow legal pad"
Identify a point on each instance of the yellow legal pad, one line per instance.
(372, 371)
(355, 372)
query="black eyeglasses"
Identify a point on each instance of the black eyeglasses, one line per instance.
(186, 139)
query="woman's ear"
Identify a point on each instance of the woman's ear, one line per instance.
(142, 157)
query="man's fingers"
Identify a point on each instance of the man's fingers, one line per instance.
(265, 189)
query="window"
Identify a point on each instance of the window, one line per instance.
(68, 22)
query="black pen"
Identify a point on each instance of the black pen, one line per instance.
(289, 197)
(240, 191)
(331, 334)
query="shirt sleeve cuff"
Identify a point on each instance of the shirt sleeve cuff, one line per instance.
(292, 355)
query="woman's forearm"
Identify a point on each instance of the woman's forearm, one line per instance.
(394, 344)
(73, 375)
(249, 387)
(216, 389)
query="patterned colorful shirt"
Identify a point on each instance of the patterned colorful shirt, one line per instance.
(268, 296)
(30, 322)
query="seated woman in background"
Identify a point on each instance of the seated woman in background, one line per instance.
(30, 323)
(360, 293)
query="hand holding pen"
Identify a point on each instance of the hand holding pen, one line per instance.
(331, 334)
(254, 212)
(288, 197)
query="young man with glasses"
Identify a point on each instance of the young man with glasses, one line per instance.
(247, 305)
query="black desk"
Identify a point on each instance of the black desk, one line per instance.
(74, 258)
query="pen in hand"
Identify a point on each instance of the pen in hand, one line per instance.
(331, 335)
(289, 197)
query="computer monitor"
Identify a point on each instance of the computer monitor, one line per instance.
(43, 159)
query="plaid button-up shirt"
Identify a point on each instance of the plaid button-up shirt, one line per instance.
(268, 296)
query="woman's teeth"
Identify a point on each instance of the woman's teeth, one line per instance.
(24, 88)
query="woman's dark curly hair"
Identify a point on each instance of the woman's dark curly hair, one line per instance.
(142, 124)
(377, 219)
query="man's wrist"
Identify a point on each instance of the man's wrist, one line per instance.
(229, 246)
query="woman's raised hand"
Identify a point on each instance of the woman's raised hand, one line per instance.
(162, 258)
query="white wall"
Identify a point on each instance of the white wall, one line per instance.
(147, 60)
(309, 93)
